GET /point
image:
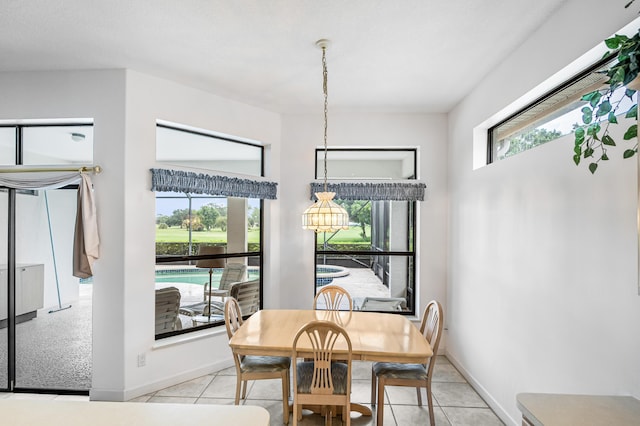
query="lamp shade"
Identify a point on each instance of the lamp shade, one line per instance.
(210, 263)
(325, 215)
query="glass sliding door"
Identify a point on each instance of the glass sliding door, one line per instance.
(47, 345)
(7, 157)
(53, 330)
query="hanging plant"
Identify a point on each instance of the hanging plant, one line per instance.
(593, 137)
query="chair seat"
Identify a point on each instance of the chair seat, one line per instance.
(394, 370)
(264, 364)
(338, 376)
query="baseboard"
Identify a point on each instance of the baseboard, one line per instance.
(128, 394)
(495, 406)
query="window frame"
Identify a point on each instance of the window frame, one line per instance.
(410, 253)
(194, 257)
(568, 83)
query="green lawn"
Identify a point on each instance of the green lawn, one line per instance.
(177, 235)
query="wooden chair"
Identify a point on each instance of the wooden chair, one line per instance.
(251, 367)
(321, 381)
(414, 375)
(333, 296)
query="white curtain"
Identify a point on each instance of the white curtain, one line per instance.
(86, 247)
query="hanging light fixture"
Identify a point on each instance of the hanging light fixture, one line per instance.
(325, 215)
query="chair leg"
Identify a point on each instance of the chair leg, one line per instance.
(346, 415)
(430, 403)
(380, 411)
(238, 386)
(285, 396)
(419, 396)
(244, 389)
(373, 388)
(295, 413)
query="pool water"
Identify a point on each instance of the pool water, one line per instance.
(189, 276)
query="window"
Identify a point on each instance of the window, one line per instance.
(374, 260)
(554, 115)
(208, 247)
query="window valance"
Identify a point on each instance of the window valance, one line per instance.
(165, 180)
(374, 191)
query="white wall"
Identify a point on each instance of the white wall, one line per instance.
(98, 95)
(302, 134)
(148, 99)
(543, 259)
(125, 106)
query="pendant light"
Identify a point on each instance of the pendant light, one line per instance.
(325, 215)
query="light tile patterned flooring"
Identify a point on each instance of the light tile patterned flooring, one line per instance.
(455, 402)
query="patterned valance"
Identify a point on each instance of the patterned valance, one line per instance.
(374, 191)
(164, 180)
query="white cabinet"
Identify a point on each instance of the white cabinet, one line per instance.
(29, 291)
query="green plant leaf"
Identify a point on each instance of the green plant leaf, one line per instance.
(604, 109)
(617, 77)
(577, 149)
(628, 153)
(629, 93)
(612, 118)
(588, 152)
(633, 112)
(615, 41)
(593, 130)
(576, 159)
(631, 132)
(608, 140)
(595, 99)
(604, 157)
(587, 118)
(593, 167)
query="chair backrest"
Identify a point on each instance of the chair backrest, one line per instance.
(232, 273)
(233, 321)
(232, 316)
(247, 295)
(323, 336)
(431, 328)
(167, 307)
(333, 297)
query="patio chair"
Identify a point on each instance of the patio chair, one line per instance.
(383, 304)
(333, 297)
(250, 367)
(232, 273)
(413, 375)
(321, 381)
(247, 295)
(167, 306)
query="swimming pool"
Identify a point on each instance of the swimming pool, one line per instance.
(196, 276)
(326, 273)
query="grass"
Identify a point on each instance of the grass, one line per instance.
(179, 235)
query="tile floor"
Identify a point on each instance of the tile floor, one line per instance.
(455, 402)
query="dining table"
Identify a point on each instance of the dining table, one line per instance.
(375, 336)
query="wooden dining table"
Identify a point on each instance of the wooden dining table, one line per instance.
(374, 336)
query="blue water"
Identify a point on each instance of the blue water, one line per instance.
(188, 276)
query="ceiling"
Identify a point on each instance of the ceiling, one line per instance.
(391, 56)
